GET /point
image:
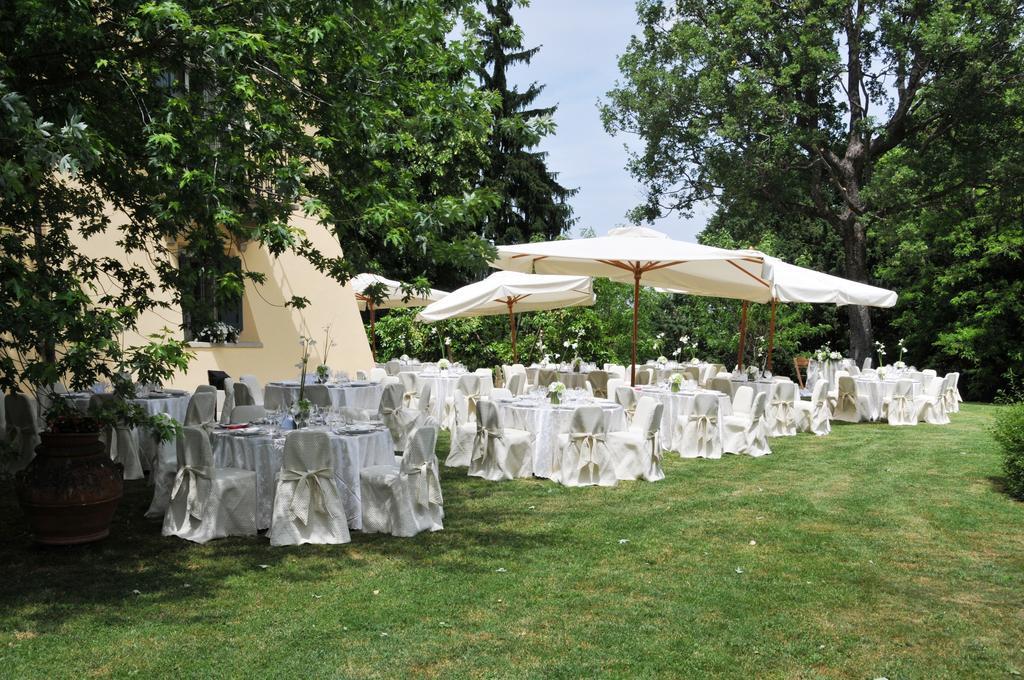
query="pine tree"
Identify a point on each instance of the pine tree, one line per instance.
(533, 202)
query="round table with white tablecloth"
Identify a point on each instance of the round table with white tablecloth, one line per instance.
(545, 421)
(442, 386)
(173, 403)
(542, 376)
(759, 386)
(879, 392)
(262, 454)
(356, 394)
(681, 404)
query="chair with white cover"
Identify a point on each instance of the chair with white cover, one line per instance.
(746, 433)
(850, 407)
(853, 370)
(279, 399)
(950, 393)
(410, 381)
(613, 385)
(486, 381)
(22, 429)
(697, 435)
(517, 383)
(393, 367)
(626, 398)
(507, 371)
(318, 395)
(499, 452)
(735, 426)
(930, 404)
(398, 418)
(901, 409)
(199, 413)
(599, 381)
(813, 416)
(244, 395)
(362, 375)
(229, 401)
(867, 363)
(644, 376)
(723, 385)
(207, 502)
(209, 389)
(615, 371)
(121, 440)
(782, 409)
(636, 451)
(425, 398)
(405, 499)
(377, 374)
(202, 410)
(462, 432)
(469, 385)
(583, 457)
(691, 373)
(390, 380)
(307, 507)
(254, 387)
(247, 414)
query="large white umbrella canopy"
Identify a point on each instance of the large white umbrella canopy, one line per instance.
(394, 298)
(510, 292)
(791, 283)
(639, 255)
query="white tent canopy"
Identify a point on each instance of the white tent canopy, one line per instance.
(394, 298)
(511, 292)
(639, 255)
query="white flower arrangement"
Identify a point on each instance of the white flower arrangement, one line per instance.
(900, 365)
(677, 351)
(835, 356)
(217, 332)
(663, 360)
(444, 364)
(881, 372)
(753, 372)
(404, 357)
(556, 388)
(676, 379)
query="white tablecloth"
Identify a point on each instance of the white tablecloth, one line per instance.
(545, 422)
(442, 386)
(258, 453)
(364, 395)
(571, 379)
(878, 392)
(759, 386)
(173, 403)
(681, 404)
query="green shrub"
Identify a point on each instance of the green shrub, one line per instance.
(1009, 433)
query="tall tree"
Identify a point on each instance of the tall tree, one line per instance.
(533, 203)
(791, 106)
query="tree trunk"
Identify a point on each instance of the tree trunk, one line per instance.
(856, 269)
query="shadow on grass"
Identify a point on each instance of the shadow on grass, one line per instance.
(43, 586)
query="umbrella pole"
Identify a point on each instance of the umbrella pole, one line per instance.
(743, 335)
(512, 324)
(373, 334)
(771, 339)
(636, 322)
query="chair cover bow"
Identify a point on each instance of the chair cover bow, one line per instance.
(704, 423)
(408, 397)
(846, 399)
(194, 505)
(586, 443)
(949, 398)
(428, 492)
(902, 403)
(783, 410)
(311, 487)
(482, 441)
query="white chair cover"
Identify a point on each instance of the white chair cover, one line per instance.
(425, 398)
(393, 367)
(229, 401)
(691, 373)
(499, 393)
(636, 451)
(697, 434)
(782, 410)
(517, 383)
(390, 380)
(469, 385)
(723, 385)
(850, 406)
(583, 458)
(599, 381)
(22, 430)
(746, 433)
(398, 418)
(951, 393)
(207, 502)
(307, 507)
(499, 453)
(901, 409)
(627, 399)
(743, 400)
(462, 432)
(377, 374)
(247, 414)
(930, 405)
(244, 395)
(814, 415)
(406, 499)
(122, 442)
(202, 410)
(254, 387)
(613, 386)
(410, 382)
(209, 389)
(486, 381)
(616, 370)
(318, 395)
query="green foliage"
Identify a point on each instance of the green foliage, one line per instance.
(533, 204)
(1008, 432)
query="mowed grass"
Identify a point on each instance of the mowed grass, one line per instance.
(876, 551)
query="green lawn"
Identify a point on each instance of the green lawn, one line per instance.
(879, 552)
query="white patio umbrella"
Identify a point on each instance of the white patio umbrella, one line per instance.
(511, 292)
(394, 298)
(640, 255)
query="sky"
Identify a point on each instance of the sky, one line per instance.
(581, 41)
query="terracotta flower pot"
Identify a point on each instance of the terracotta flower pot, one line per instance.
(70, 490)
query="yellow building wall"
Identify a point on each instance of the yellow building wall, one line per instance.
(268, 346)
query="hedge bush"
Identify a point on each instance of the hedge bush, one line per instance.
(1009, 433)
